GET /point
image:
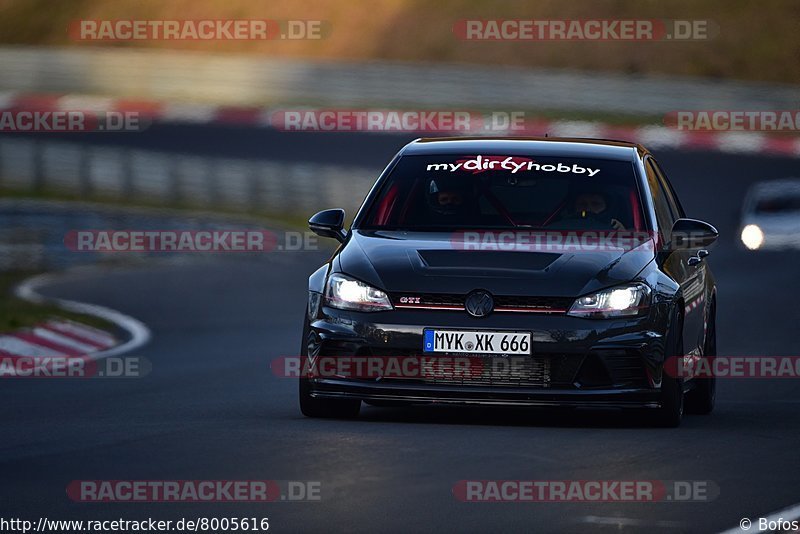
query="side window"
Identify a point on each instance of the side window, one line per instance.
(664, 215)
(672, 198)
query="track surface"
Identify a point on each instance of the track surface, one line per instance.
(211, 409)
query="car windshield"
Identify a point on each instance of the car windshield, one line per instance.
(442, 192)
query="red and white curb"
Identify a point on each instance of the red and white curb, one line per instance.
(53, 340)
(59, 339)
(652, 136)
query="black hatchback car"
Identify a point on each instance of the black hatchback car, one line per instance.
(513, 271)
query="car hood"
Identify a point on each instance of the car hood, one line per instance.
(430, 262)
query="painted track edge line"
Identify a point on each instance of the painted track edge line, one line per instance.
(790, 513)
(139, 333)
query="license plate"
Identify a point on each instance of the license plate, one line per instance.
(476, 342)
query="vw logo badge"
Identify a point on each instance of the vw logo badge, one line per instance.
(479, 303)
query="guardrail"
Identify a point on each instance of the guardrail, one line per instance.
(161, 178)
(32, 238)
(249, 80)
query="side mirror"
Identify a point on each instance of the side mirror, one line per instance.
(692, 234)
(329, 223)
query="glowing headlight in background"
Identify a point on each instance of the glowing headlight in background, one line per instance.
(752, 236)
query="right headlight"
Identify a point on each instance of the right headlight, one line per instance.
(348, 293)
(621, 301)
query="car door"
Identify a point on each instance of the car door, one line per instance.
(694, 292)
(676, 262)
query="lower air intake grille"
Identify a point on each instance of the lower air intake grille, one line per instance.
(515, 371)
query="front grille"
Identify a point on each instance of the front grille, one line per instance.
(429, 300)
(564, 369)
(551, 304)
(522, 372)
(451, 301)
(595, 369)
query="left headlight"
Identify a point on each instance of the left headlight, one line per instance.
(620, 301)
(348, 293)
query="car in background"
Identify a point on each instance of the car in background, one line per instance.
(771, 215)
(479, 260)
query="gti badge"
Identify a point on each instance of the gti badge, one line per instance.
(479, 303)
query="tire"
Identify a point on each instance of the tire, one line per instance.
(326, 408)
(701, 399)
(322, 408)
(670, 413)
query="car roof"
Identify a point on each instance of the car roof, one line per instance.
(519, 146)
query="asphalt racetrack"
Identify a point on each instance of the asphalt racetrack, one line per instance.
(212, 409)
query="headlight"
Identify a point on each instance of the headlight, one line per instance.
(348, 293)
(622, 301)
(752, 236)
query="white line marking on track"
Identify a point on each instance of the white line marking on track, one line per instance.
(791, 513)
(138, 331)
(20, 347)
(64, 341)
(86, 332)
(630, 522)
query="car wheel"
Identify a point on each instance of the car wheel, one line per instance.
(702, 398)
(670, 412)
(326, 408)
(313, 407)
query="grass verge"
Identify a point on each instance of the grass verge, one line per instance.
(16, 313)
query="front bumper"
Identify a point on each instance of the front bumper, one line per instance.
(575, 362)
(427, 394)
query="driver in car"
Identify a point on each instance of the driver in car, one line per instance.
(450, 199)
(593, 205)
